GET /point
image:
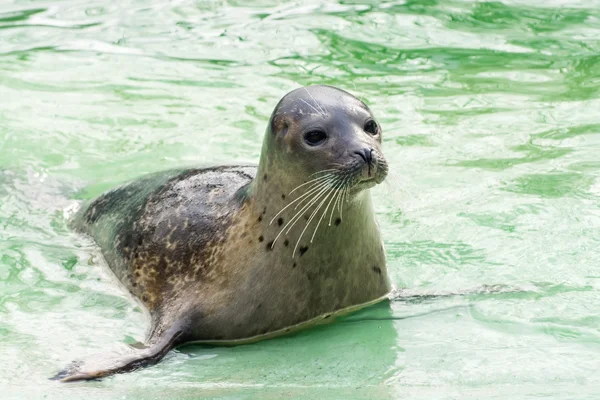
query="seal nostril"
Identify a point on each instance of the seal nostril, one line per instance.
(366, 155)
(361, 154)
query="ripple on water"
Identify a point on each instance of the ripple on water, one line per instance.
(493, 143)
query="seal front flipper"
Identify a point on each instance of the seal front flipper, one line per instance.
(133, 357)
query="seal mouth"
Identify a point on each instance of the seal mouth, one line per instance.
(365, 175)
(364, 183)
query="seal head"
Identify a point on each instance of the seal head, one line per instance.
(322, 130)
(321, 151)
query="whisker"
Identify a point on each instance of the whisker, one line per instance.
(317, 186)
(338, 164)
(332, 179)
(337, 201)
(324, 170)
(297, 216)
(338, 185)
(333, 208)
(316, 102)
(344, 199)
(311, 106)
(310, 220)
(308, 205)
(306, 183)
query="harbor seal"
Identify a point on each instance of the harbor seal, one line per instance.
(236, 254)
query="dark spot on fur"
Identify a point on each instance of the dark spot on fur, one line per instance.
(144, 298)
(137, 274)
(133, 284)
(338, 221)
(261, 238)
(259, 306)
(270, 246)
(294, 266)
(327, 316)
(264, 210)
(303, 250)
(280, 221)
(288, 329)
(377, 269)
(140, 241)
(286, 243)
(260, 218)
(265, 177)
(283, 197)
(306, 217)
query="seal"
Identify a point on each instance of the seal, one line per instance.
(236, 254)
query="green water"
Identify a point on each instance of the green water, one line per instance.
(491, 123)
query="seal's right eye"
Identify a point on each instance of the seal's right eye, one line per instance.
(371, 127)
(315, 138)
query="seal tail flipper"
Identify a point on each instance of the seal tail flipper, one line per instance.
(135, 357)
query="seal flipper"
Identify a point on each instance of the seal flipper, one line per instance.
(103, 365)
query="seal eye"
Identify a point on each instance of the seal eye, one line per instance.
(315, 138)
(371, 127)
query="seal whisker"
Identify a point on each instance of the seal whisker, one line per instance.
(338, 164)
(344, 194)
(327, 183)
(297, 216)
(334, 204)
(311, 190)
(306, 183)
(314, 189)
(344, 199)
(315, 100)
(312, 216)
(339, 184)
(324, 170)
(337, 201)
(311, 106)
(308, 205)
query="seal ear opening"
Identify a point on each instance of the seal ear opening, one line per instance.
(279, 125)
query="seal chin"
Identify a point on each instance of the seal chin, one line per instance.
(366, 184)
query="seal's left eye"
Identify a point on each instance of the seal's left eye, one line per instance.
(315, 138)
(371, 127)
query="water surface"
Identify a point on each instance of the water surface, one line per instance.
(492, 130)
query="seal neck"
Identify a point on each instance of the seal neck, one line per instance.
(273, 181)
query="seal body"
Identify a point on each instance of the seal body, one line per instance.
(239, 253)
